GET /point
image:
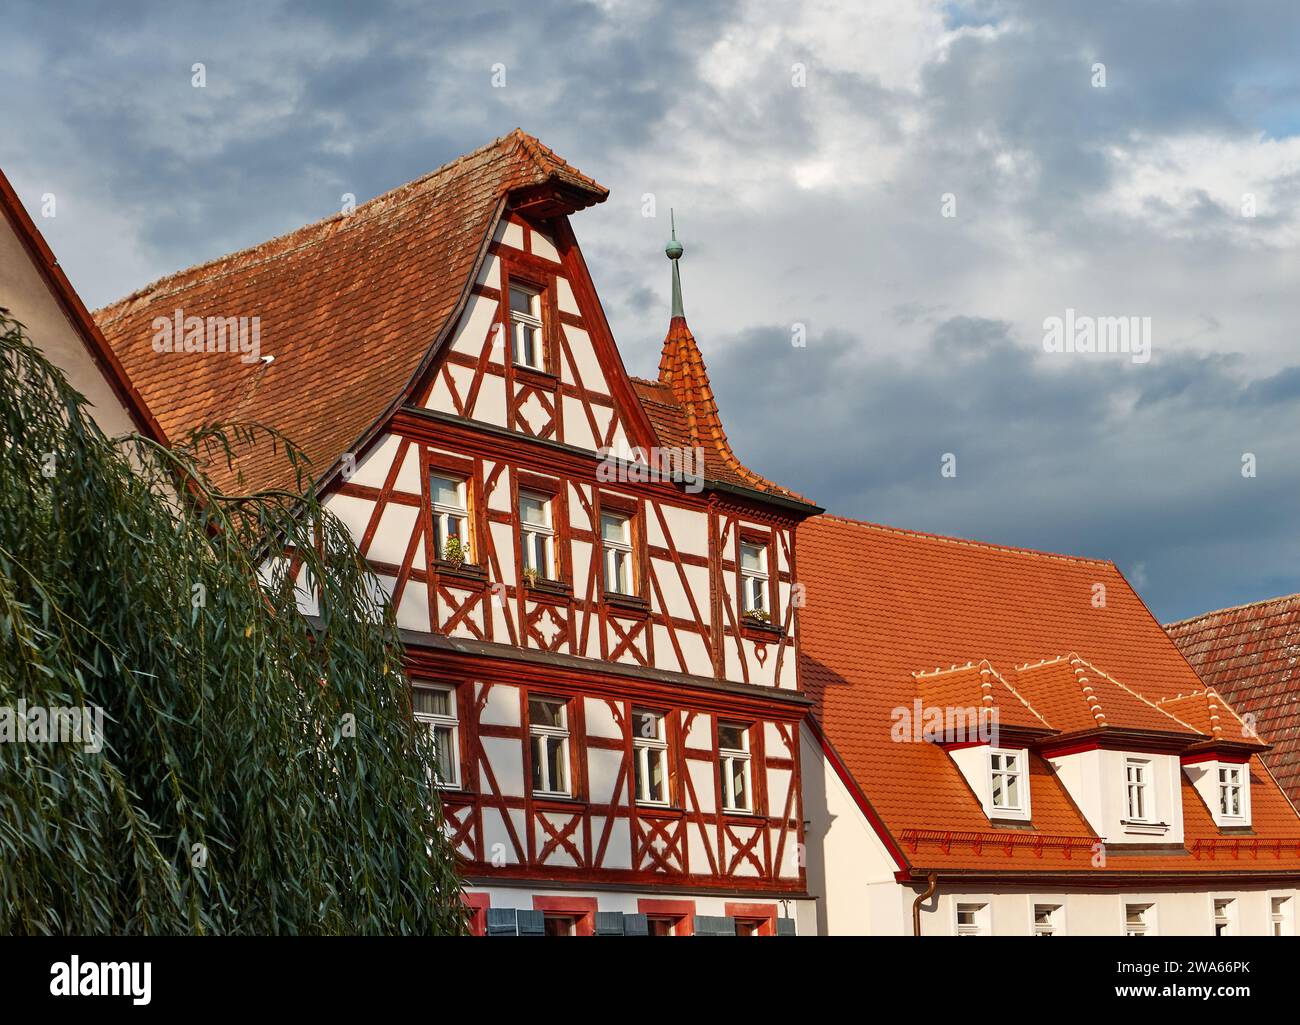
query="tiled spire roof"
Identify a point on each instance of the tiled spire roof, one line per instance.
(682, 373)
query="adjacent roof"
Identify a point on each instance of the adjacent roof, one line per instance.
(1249, 655)
(1066, 636)
(11, 207)
(349, 308)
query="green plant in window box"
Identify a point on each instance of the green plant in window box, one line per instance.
(455, 551)
(758, 615)
(530, 577)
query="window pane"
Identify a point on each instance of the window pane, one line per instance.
(446, 491)
(751, 558)
(613, 527)
(649, 725)
(444, 767)
(533, 510)
(545, 713)
(430, 701)
(657, 776)
(731, 737)
(738, 784)
(523, 301)
(555, 758)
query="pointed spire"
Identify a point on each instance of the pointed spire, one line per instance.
(673, 250)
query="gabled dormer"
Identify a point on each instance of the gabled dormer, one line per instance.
(1117, 753)
(1218, 768)
(988, 730)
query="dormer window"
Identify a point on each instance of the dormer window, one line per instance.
(1137, 785)
(1008, 786)
(526, 326)
(1230, 791)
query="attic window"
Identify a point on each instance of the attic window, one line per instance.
(1137, 784)
(526, 326)
(1008, 782)
(1230, 787)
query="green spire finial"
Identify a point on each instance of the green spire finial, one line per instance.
(674, 252)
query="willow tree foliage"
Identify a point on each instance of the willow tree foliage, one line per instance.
(260, 769)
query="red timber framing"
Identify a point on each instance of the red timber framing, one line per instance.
(558, 615)
(676, 644)
(601, 835)
(753, 919)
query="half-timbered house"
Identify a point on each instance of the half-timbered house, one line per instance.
(598, 599)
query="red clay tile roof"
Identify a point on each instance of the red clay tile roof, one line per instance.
(1249, 655)
(1074, 696)
(978, 685)
(349, 307)
(884, 604)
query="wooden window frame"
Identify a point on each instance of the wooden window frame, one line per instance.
(442, 465)
(581, 909)
(661, 745)
(554, 492)
(453, 721)
(682, 912)
(569, 736)
(747, 756)
(631, 510)
(763, 914)
(519, 271)
(765, 540)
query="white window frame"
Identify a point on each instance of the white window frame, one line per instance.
(1223, 912)
(544, 531)
(754, 589)
(450, 722)
(1141, 786)
(618, 553)
(1147, 923)
(1000, 755)
(546, 734)
(521, 322)
(728, 758)
(1281, 914)
(1054, 925)
(646, 750)
(444, 514)
(1226, 787)
(979, 925)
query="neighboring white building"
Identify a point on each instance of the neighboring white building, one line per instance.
(35, 292)
(1005, 742)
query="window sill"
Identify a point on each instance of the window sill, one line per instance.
(552, 587)
(756, 629)
(1145, 828)
(466, 570)
(561, 802)
(536, 378)
(627, 602)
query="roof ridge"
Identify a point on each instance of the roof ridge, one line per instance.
(1231, 608)
(1141, 697)
(358, 215)
(966, 542)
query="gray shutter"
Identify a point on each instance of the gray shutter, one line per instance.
(636, 925)
(531, 923)
(609, 923)
(501, 922)
(710, 925)
(785, 927)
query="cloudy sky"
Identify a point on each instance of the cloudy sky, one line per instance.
(812, 152)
